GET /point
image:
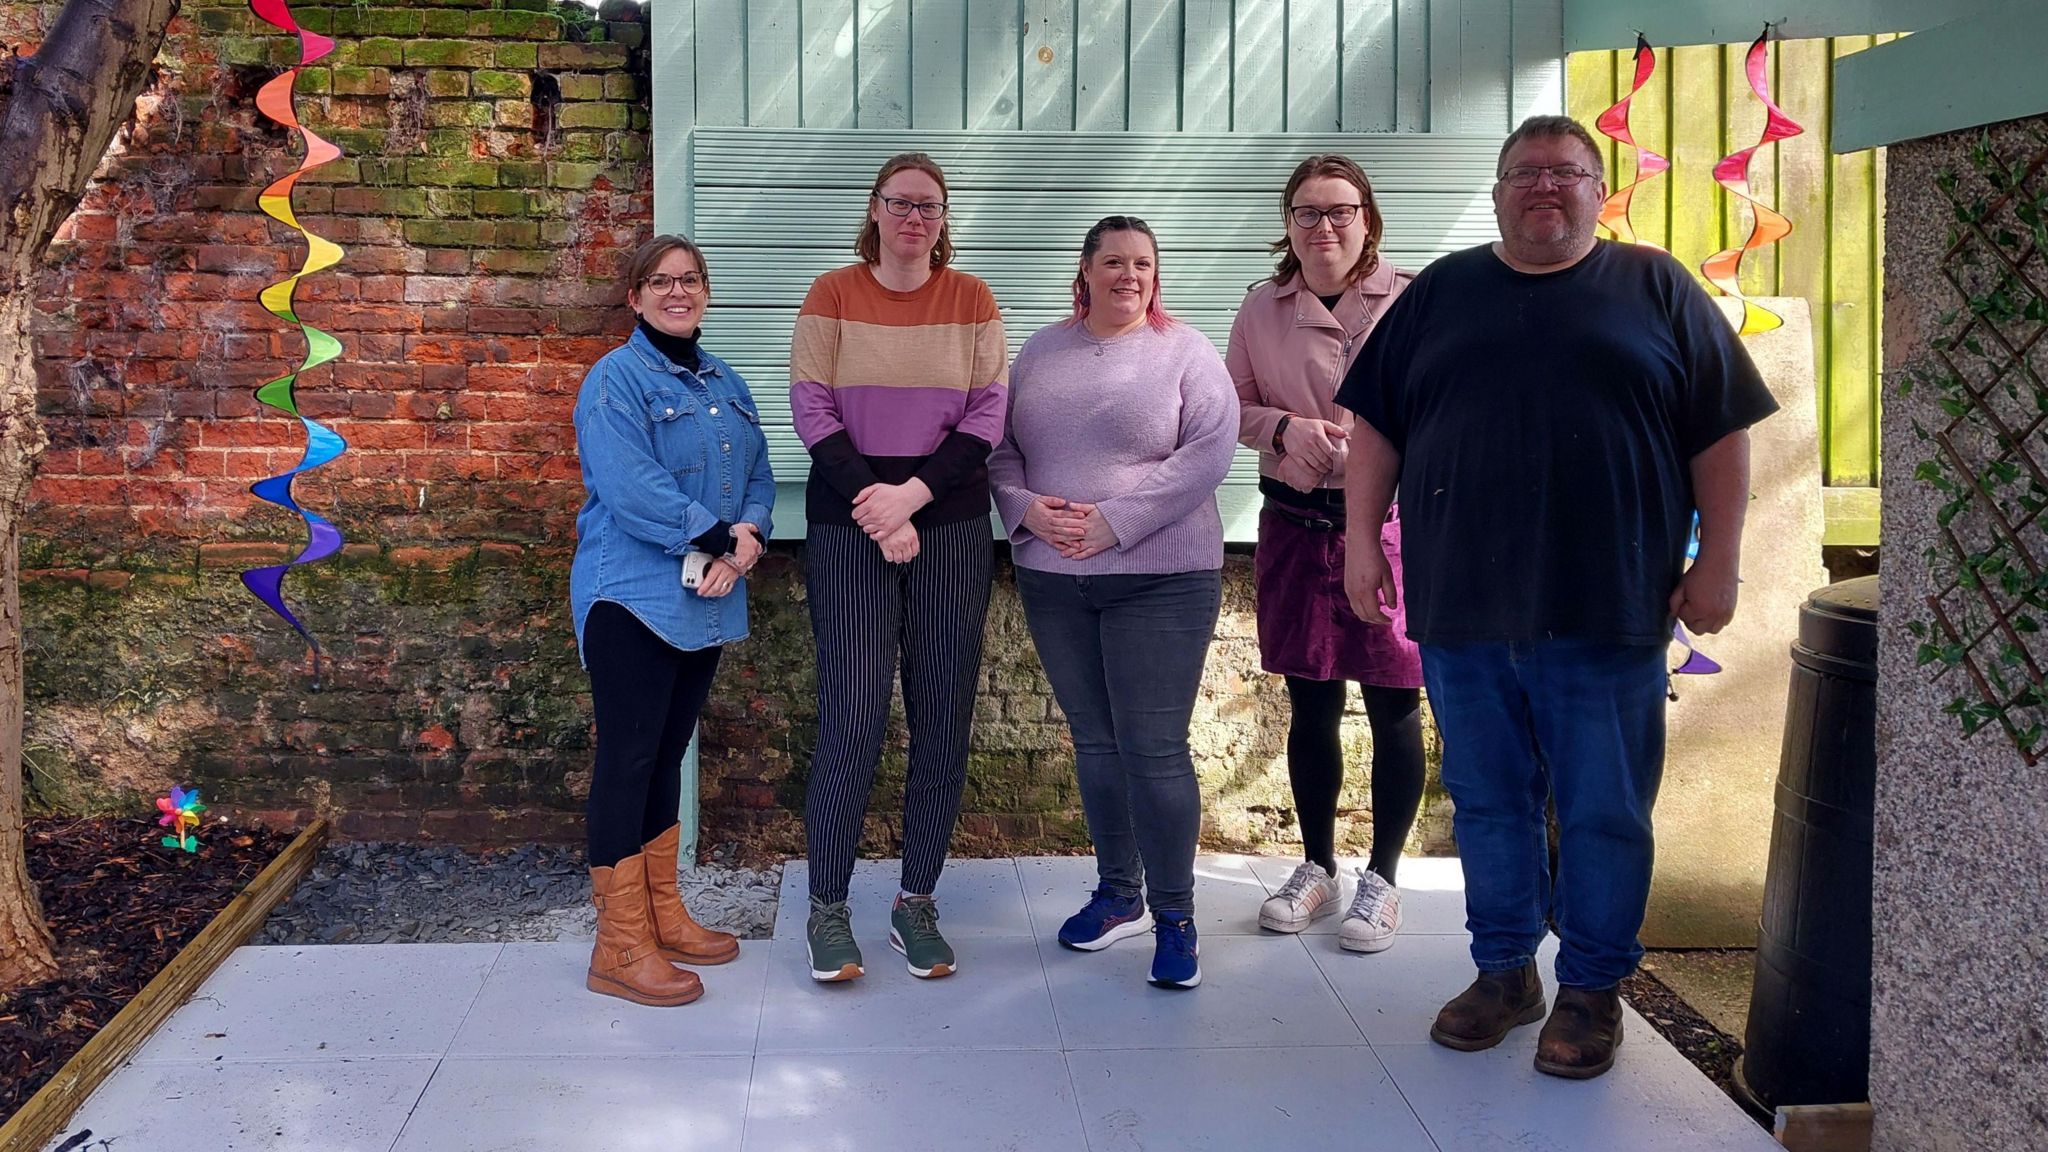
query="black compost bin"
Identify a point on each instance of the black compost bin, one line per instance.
(1808, 1040)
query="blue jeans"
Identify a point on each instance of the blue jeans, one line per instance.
(1580, 722)
(1124, 654)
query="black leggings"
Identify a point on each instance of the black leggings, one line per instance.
(1315, 767)
(647, 696)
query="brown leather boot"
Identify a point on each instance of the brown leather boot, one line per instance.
(680, 938)
(1579, 1039)
(1483, 1014)
(624, 962)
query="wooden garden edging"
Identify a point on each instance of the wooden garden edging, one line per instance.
(51, 1107)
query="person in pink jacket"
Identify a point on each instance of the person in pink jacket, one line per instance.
(1294, 337)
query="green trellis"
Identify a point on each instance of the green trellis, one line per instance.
(1987, 370)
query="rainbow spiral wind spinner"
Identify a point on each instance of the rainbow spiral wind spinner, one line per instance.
(181, 811)
(323, 444)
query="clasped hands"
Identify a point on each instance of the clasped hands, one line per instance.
(724, 573)
(1314, 449)
(883, 511)
(1075, 529)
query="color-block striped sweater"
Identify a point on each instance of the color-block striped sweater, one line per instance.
(886, 386)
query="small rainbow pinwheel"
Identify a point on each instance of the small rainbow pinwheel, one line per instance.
(181, 811)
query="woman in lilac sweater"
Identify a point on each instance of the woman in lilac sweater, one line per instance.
(1122, 424)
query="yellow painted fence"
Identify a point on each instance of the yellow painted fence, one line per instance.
(1698, 108)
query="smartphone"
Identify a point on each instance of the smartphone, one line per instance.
(695, 564)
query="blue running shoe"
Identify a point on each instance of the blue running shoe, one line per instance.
(1176, 959)
(1108, 917)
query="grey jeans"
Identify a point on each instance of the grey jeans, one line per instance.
(1125, 656)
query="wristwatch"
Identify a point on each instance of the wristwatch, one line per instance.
(1279, 432)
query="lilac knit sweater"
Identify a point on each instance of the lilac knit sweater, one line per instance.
(1143, 426)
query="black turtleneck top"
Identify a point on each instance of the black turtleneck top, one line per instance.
(717, 539)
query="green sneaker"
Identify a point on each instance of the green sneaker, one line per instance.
(914, 931)
(829, 935)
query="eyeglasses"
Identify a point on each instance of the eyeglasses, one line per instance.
(1562, 175)
(1339, 215)
(661, 283)
(929, 209)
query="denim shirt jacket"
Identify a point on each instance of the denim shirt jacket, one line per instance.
(667, 453)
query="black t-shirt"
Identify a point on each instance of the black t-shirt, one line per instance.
(1546, 425)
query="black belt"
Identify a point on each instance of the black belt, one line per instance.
(1319, 521)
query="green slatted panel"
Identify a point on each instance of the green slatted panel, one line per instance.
(1022, 202)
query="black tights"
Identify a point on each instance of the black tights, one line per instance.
(1315, 767)
(646, 696)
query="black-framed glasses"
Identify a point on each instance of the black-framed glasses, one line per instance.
(1562, 175)
(661, 283)
(928, 209)
(1307, 217)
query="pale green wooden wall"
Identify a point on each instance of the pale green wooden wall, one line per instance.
(1698, 108)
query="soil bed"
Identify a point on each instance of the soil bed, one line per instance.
(1711, 1050)
(120, 906)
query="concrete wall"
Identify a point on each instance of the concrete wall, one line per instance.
(1959, 1020)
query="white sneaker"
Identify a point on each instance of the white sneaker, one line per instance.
(1308, 895)
(1374, 917)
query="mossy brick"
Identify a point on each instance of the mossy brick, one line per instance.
(522, 174)
(574, 56)
(629, 145)
(514, 261)
(315, 82)
(516, 25)
(516, 234)
(361, 81)
(529, 5)
(601, 115)
(558, 233)
(574, 86)
(518, 56)
(577, 176)
(379, 52)
(357, 141)
(446, 202)
(449, 54)
(393, 21)
(447, 83)
(448, 233)
(513, 113)
(453, 142)
(643, 120)
(381, 201)
(346, 170)
(632, 33)
(444, 172)
(581, 146)
(491, 82)
(621, 86)
(381, 171)
(320, 20)
(253, 50)
(445, 22)
(502, 202)
(222, 20)
(459, 114)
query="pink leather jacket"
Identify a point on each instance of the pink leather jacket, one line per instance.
(1288, 354)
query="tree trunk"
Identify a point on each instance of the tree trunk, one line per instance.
(59, 109)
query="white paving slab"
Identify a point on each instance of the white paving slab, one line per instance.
(1256, 992)
(1289, 1043)
(1227, 893)
(1232, 1100)
(1495, 1101)
(290, 1106)
(535, 1004)
(325, 1002)
(557, 1103)
(997, 999)
(976, 898)
(1432, 892)
(956, 1101)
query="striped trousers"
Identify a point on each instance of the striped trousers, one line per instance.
(865, 613)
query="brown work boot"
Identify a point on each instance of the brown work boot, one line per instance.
(1483, 1014)
(624, 962)
(1584, 1029)
(679, 937)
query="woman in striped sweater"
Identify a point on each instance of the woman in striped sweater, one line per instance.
(898, 387)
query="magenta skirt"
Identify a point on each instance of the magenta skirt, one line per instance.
(1306, 626)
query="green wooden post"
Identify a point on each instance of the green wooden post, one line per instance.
(686, 811)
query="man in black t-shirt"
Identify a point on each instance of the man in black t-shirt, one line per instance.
(1554, 409)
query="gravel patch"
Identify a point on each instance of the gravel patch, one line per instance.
(378, 893)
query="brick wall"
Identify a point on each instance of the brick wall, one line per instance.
(495, 175)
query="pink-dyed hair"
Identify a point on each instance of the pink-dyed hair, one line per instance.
(1155, 312)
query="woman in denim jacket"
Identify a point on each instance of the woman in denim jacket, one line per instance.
(676, 469)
